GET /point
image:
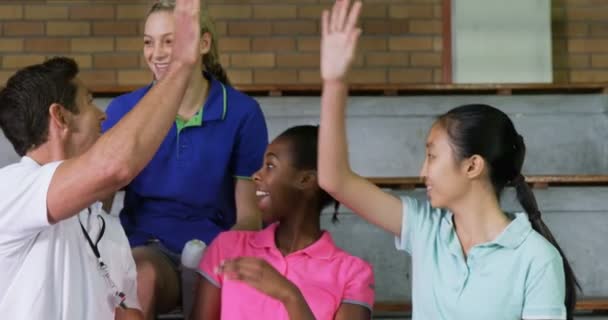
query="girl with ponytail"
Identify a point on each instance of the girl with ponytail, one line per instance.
(470, 259)
(198, 183)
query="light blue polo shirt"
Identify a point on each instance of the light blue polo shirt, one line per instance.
(519, 275)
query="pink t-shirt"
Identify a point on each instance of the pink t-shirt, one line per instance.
(326, 275)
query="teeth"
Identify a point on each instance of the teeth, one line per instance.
(261, 193)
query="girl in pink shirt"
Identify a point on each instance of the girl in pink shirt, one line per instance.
(292, 269)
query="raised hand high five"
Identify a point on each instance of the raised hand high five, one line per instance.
(339, 39)
(187, 32)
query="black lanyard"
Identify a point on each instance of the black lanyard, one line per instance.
(94, 247)
(118, 296)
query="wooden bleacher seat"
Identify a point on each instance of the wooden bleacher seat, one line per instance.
(537, 181)
(397, 89)
(584, 305)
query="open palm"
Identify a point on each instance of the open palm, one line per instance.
(339, 39)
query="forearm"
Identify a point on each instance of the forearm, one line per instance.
(333, 151)
(296, 306)
(133, 141)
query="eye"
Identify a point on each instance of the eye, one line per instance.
(147, 42)
(430, 156)
(269, 165)
(168, 41)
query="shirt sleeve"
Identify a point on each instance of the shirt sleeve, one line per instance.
(545, 292)
(212, 257)
(419, 222)
(250, 144)
(360, 288)
(23, 207)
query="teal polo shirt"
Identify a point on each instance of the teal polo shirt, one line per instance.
(187, 190)
(519, 275)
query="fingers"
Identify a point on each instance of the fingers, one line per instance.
(341, 19)
(353, 16)
(342, 11)
(325, 23)
(244, 269)
(333, 27)
(188, 6)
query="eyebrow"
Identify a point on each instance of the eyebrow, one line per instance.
(162, 35)
(270, 154)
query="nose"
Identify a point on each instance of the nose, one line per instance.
(423, 170)
(256, 176)
(159, 51)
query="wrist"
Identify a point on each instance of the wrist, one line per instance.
(337, 82)
(291, 295)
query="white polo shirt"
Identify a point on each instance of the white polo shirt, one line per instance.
(50, 271)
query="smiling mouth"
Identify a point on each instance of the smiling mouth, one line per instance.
(260, 193)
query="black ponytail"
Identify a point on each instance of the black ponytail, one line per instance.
(483, 130)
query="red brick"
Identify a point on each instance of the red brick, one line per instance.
(296, 28)
(273, 44)
(298, 60)
(411, 43)
(589, 76)
(385, 27)
(425, 26)
(116, 61)
(92, 45)
(313, 12)
(134, 77)
(92, 12)
(231, 44)
(115, 28)
(599, 30)
(252, 60)
(68, 28)
(309, 44)
(599, 61)
(93, 78)
(274, 11)
(588, 45)
(411, 11)
(11, 45)
(240, 76)
(309, 76)
(373, 44)
(249, 28)
(129, 44)
(411, 75)
(368, 75)
(130, 11)
(45, 12)
(23, 28)
(587, 14)
(47, 45)
(230, 11)
(426, 59)
(20, 61)
(275, 76)
(387, 59)
(11, 12)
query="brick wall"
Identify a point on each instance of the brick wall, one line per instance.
(580, 40)
(271, 41)
(262, 41)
